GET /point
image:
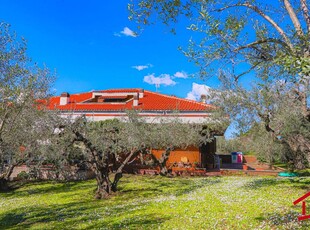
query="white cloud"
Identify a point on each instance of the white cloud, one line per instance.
(127, 32)
(142, 67)
(197, 91)
(181, 74)
(191, 96)
(163, 79)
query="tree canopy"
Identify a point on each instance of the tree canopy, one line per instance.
(109, 146)
(23, 122)
(259, 51)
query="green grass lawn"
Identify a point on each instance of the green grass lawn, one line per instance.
(154, 202)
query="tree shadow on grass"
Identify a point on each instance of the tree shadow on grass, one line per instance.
(47, 187)
(97, 213)
(63, 216)
(302, 183)
(148, 186)
(92, 214)
(11, 219)
(21, 219)
(159, 186)
(149, 221)
(261, 182)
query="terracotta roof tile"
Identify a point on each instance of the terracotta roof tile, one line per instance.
(150, 101)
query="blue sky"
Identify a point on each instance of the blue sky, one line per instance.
(91, 46)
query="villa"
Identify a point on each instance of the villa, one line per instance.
(113, 103)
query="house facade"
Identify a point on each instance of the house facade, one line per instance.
(113, 103)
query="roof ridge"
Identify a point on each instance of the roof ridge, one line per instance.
(117, 89)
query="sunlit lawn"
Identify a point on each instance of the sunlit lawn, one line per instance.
(153, 202)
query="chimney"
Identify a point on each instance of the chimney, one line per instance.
(141, 93)
(64, 98)
(135, 100)
(203, 98)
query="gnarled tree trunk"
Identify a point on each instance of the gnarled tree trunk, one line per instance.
(4, 185)
(103, 183)
(4, 178)
(119, 171)
(100, 167)
(298, 144)
(300, 148)
(163, 161)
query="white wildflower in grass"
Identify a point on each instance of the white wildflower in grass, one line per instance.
(165, 199)
(142, 203)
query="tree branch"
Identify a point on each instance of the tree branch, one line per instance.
(302, 97)
(119, 172)
(94, 151)
(127, 159)
(3, 120)
(273, 40)
(246, 72)
(293, 17)
(266, 17)
(6, 174)
(305, 11)
(266, 120)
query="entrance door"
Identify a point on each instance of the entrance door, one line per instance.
(239, 158)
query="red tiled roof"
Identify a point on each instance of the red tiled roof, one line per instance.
(150, 101)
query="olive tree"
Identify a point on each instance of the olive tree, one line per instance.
(108, 146)
(256, 49)
(23, 119)
(172, 134)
